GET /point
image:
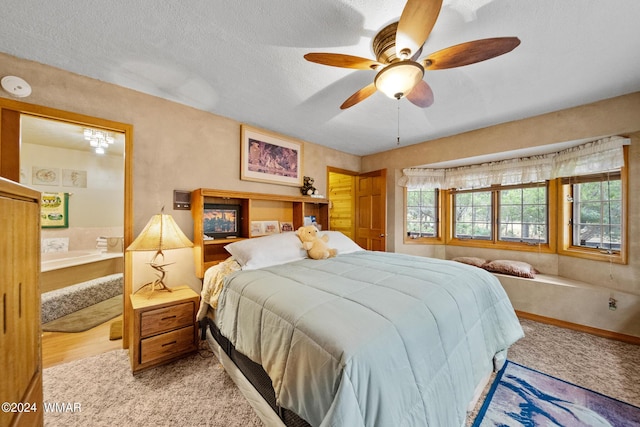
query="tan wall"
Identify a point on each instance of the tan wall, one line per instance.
(175, 146)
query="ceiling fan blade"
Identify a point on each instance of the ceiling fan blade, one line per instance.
(421, 95)
(360, 95)
(415, 25)
(343, 61)
(470, 53)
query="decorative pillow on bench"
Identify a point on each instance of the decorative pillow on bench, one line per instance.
(471, 260)
(513, 268)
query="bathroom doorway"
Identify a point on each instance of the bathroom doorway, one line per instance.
(81, 278)
(54, 164)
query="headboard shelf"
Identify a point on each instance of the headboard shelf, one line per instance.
(253, 207)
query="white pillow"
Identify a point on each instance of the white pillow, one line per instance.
(341, 243)
(260, 252)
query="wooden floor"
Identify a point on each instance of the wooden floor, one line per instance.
(60, 347)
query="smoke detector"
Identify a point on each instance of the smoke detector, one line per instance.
(16, 86)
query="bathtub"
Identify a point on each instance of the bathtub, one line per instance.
(56, 260)
(61, 269)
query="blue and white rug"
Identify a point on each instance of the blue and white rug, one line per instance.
(523, 397)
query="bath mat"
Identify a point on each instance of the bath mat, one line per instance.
(115, 330)
(86, 318)
(67, 300)
(524, 397)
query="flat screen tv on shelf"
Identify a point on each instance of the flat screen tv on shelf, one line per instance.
(221, 221)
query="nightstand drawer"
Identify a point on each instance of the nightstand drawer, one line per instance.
(164, 326)
(154, 322)
(167, 345)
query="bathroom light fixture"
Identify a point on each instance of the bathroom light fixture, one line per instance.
(161, 233)
(98, 139)
(398, 79)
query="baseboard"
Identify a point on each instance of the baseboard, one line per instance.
(630, 339)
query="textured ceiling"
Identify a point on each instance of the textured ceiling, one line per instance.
(244, 59)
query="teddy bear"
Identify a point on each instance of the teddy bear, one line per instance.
(307, 188)
(315, 246)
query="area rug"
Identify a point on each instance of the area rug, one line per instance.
(524, 397)
(101, 391)
(86, 318)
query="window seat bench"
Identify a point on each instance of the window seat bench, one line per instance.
(575, 304)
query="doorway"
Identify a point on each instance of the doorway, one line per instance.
(16, 164)
(358, 206)
(341, 193)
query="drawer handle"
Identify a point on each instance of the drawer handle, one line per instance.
(169, 317)
(169, 343)
(20, 300)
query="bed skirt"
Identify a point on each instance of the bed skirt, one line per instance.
(254, 373)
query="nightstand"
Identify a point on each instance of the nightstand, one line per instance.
(164, 326)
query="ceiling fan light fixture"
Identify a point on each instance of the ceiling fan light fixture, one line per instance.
(398, 79)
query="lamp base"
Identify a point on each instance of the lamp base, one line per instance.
(158, 284)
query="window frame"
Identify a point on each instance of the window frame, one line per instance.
(494, 242)
(565, 227)
(438, 238)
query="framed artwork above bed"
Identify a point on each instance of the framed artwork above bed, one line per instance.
(269, 157)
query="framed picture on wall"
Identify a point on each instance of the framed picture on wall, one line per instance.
(74, 178)
(45, 176)
(54, 210)
(269, 157)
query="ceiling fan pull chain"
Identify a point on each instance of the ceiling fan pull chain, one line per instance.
(398, 137)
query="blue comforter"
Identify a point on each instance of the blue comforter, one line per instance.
(370, 338)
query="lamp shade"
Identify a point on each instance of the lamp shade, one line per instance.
(398, 79)
(160, 233)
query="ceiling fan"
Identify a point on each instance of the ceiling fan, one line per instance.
(397, 47)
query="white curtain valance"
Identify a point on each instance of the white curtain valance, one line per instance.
(422, 178)
(593, 157)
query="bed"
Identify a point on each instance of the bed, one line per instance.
(361, 339)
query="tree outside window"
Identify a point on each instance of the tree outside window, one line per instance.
(597, 214)
(503, 214)
(523, 215)
(473, 215)
(422, 213)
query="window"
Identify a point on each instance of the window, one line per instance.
(593, 215)
(422, 209)
(576, 204)
(596, 211)
(523, 215)
(509, 217)
(473, 215)
(597, 219)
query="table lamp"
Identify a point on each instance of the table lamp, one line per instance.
(161, 233)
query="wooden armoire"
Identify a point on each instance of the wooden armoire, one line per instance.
(20, 329)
